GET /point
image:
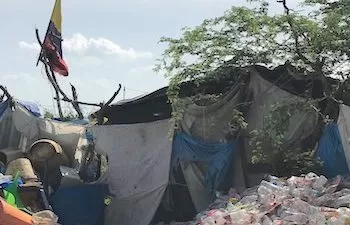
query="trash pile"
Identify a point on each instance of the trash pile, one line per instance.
(22, 198)
(309, 199)
(40, 186)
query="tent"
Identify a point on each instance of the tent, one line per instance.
(201, 140)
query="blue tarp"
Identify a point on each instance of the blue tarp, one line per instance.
(81, 204)
(31, 107)
(331, 152)
(3, 107)
(219, 156)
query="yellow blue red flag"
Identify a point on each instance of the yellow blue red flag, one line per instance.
(53, 42)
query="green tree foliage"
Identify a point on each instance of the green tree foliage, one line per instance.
(317, 44)
(270, 145)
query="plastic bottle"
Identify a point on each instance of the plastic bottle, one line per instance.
(45, 217)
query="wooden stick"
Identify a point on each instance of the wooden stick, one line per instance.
(75, 104)
(101, 113)
(6, 93)
(81, 103)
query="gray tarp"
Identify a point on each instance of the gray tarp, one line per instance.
(211, 123)
(264, 94)
(344, 130)
(138, 173)
(68, 135)
(9, 136)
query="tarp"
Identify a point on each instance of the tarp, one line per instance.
(331, 152)
(68, 135)
(31, 107)
(9, 136)
(138, 172)
(344, 130)
(263, 94)
(81, 204)
(219, 157)
(210, 123)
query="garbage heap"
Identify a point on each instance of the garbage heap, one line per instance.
(308, 199)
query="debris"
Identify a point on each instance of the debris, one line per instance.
(45, 217)
(309, 199)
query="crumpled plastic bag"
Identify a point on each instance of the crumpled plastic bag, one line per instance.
(45, 217)
(309, 199)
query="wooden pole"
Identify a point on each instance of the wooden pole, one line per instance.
(58, 102)
(75, 102)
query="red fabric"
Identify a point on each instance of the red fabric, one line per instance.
(56, 62)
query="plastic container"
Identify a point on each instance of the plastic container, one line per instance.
(44, 218)
(10, 215)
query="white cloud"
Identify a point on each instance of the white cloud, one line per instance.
(79, 44)
(25, 45)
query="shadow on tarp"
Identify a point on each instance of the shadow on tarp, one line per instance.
(80, 205)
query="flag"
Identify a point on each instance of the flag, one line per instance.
(52, 45)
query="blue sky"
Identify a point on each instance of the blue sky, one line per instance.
(106, 42)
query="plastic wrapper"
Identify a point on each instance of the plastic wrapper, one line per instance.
(309, 199)
(45, 217)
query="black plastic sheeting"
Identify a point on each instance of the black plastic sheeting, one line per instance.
(156, 106)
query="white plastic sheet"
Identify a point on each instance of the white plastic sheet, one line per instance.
(138, 172)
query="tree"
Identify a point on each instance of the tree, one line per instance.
(316, 44)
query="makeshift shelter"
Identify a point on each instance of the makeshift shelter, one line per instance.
(207, 127)
(67, 135)
(158, 172)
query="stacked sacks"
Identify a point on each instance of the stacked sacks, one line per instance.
(309, 199)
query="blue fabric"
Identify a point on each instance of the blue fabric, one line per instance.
(31, 107)
(6, 184)
(3, 107)
(82, 204)
(219, 156)
(331, 152)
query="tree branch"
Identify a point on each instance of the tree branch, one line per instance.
(6, 93)
(81, 103)
(75, 102)
(295, 34)
(114, 95)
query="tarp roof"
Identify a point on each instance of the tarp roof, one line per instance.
(155, 106)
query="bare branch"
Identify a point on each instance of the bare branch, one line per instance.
(82, 103)
(295, 33)
(114, 95)
(75, 104)
(6, 93)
